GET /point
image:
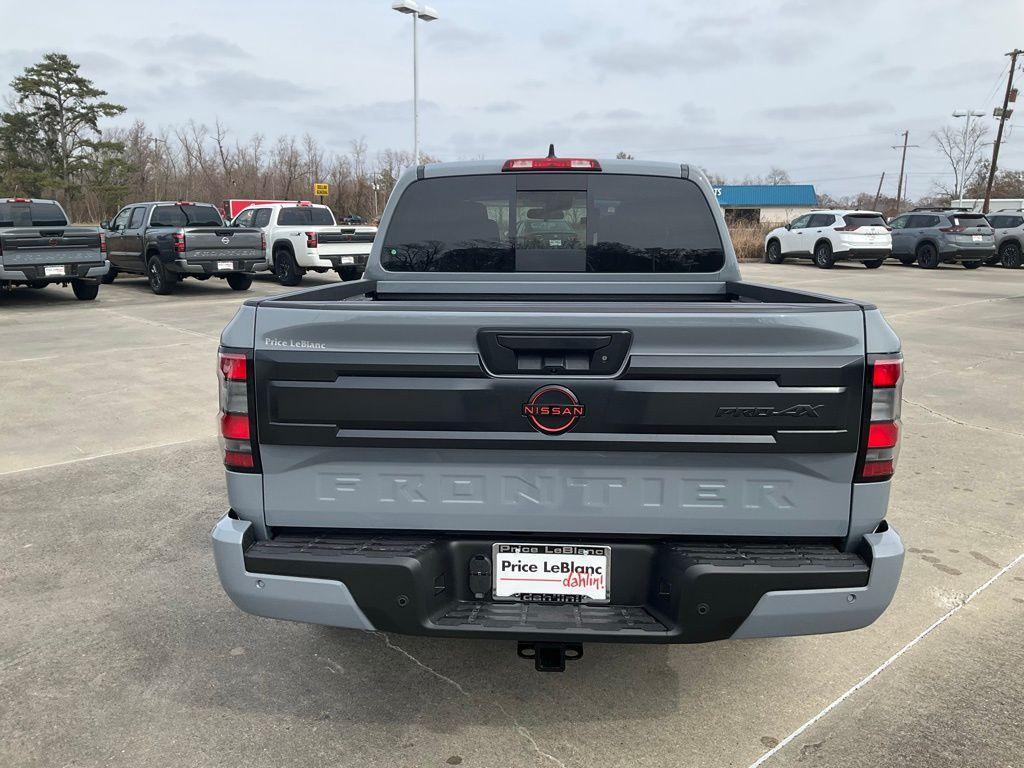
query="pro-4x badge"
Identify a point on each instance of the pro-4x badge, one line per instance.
(756, 411)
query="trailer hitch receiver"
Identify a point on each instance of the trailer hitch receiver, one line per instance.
(550, 657)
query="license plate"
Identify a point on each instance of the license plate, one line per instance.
(225, 265)
(976, 238)
(54, 271)
(348, 260)
(565, 573)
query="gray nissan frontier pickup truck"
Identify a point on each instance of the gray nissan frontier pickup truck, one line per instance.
(551, 411)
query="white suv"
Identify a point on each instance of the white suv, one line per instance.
(302, 237)
(830, 236)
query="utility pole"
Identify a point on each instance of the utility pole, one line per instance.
(999, 133)
(878, 194)
(903, 163)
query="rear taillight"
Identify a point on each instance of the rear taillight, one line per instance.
(237, 432)
(311, 240)
(954, 228)
(103, 243)
(882, 434)
(263, 242)
(178, 239)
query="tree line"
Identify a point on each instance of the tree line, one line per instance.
(52, 144)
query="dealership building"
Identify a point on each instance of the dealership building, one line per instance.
(767, 203)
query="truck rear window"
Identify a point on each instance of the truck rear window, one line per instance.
(185, 216)
(31, 215)
(594, 223)
(299, 215)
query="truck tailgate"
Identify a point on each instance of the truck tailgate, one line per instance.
(58, 245)
(211, 243)
(718, 420)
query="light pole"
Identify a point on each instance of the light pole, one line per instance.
(968, 114)
(425, 13)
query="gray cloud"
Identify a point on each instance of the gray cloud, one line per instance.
(502, 107)
(840, 110)
(193, 44)
(697, 53)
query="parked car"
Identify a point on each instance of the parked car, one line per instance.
(610, 438)
(1008, 226)
(38, 248)
(303, 237)
(171, 240)
(932, 236)
(826, 237)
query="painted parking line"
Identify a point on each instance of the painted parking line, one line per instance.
(886, 664)
(105, 455)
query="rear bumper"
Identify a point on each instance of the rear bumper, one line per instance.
(208, 267)
(953, 252)
(863, 254)
(348, 260)
(661, 591)
(75, 271)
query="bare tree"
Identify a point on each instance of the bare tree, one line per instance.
(963, 152)
(777, 176)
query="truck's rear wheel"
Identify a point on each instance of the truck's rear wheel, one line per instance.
(108, 278)
(350, 273)
(85, 291)
(285, 268)
(971, 264)
(874, 263)
(907, 261)
(823, 256)
(37, 284)
(159, 279)
(239, 282)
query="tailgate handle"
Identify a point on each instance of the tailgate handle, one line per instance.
(573, 353)
(553, 343)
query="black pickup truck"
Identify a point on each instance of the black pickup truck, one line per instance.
(38, 248)
(169, 241)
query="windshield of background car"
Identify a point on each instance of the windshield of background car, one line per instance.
(298, 215)
(31, 215)
(553, 223)
(185, 216)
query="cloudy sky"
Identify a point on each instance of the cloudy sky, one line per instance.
(821, 89)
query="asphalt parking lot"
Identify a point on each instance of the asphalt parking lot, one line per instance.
(118, 647)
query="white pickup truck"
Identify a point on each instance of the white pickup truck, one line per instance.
(303, 237)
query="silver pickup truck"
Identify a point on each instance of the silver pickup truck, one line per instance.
(552, 412)
(39, 248)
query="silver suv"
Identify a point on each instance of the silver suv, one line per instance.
(931, 236)
(1009, 234)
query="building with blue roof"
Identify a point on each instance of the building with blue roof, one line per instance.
(766, 203)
